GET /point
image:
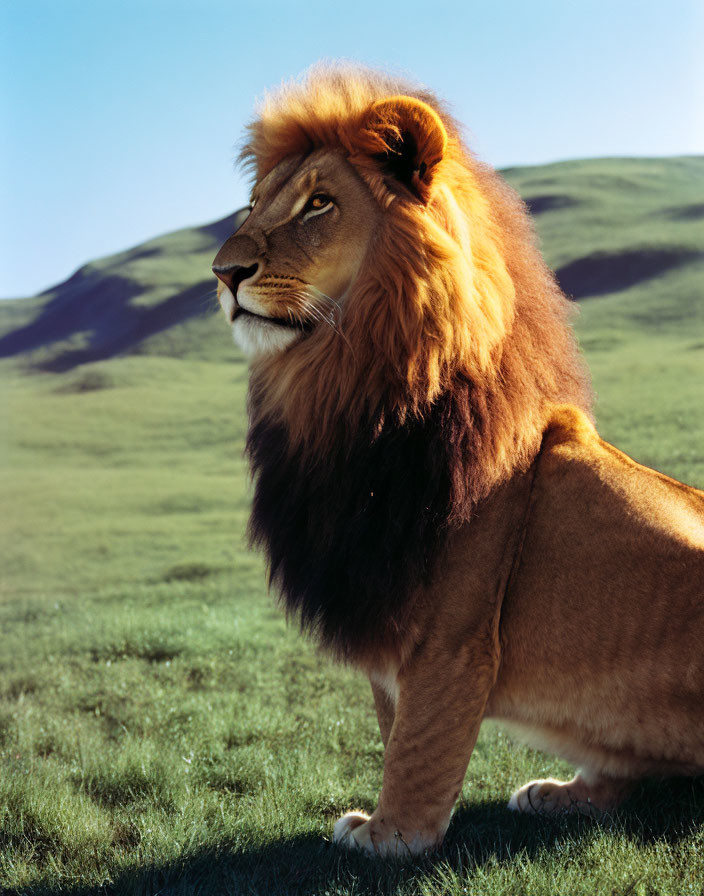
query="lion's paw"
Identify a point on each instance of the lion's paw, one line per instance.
(352, 832)
(551, 797)
(375, 836)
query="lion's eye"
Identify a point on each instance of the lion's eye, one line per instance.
(320, 200)
(316, 205)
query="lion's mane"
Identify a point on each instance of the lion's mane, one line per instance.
(369, 444)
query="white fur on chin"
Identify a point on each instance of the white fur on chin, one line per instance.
(257, 337)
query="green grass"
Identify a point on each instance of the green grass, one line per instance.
(162, 730)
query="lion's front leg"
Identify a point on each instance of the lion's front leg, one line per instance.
(442, 696)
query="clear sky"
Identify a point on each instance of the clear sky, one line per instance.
(119, 120)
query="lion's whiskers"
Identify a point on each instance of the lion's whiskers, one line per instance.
(310, 297)
(318, 293)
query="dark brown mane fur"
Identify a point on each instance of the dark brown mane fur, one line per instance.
(370, 443)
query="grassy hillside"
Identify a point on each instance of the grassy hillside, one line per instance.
(608, 226)
(161, 729)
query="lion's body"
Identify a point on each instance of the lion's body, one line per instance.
(431, 494)
(599, 607)
(602, 628)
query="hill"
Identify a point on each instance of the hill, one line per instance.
(608, 226)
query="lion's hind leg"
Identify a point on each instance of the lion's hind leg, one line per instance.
(585, 795)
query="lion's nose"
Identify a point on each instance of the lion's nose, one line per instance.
(233, 274)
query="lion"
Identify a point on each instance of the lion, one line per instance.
(433, 498)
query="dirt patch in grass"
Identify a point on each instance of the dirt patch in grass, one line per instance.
(151, 652)
(90, 381)
(188, 572)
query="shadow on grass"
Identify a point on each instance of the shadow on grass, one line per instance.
(480, 834)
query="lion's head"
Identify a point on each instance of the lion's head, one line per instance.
(389, 290)
(289, 266)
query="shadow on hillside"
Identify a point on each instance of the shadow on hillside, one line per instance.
(99, 311)
(549, 202)
(693, 212)
(480, 834)
(605, 272)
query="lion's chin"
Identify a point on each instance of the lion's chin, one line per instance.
(259, 337)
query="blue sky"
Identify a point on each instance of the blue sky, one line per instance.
(119, 121)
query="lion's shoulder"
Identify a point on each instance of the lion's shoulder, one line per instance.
(583, 476)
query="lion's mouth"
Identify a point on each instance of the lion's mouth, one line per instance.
(289, 323)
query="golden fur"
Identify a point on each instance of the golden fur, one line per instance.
(431, 493)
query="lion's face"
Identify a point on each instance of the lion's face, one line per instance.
(289, 266)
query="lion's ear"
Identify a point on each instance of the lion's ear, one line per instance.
(410, 139)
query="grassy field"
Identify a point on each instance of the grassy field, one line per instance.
(162, 730)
